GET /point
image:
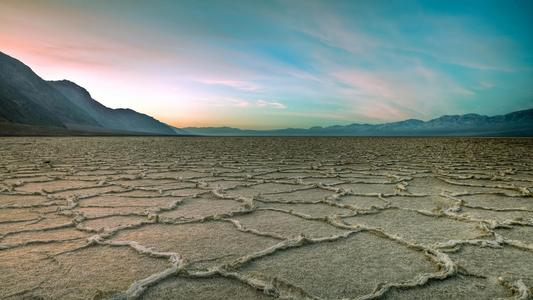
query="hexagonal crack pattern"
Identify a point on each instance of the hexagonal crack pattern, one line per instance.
(260, 218)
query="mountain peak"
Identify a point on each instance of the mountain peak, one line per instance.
(70, 84)
(27, 99)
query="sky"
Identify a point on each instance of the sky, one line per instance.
(276, 64)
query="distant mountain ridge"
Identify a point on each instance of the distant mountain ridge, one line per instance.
(519, 123)
(27, 100)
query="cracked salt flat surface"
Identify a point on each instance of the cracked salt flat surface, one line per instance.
(266, 218)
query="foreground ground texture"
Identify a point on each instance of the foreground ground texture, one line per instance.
(263, 218)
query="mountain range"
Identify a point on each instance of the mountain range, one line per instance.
(30, 105)
(519, 123)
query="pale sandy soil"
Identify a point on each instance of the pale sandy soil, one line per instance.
(264, 218)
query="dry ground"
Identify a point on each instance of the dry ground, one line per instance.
(263, 218)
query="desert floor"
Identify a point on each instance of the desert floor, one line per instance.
(264, 218)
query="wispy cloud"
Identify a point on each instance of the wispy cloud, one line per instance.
(236, 84)
(271, 104)
(242, 103)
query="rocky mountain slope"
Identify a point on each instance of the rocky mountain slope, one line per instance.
(27, 100)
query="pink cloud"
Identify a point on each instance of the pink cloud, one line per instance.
(367, 84)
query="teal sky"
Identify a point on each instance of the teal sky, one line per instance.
(272, 64)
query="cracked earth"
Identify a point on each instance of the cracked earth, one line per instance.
(266, 218)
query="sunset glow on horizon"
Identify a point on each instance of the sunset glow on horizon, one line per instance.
(277, 64)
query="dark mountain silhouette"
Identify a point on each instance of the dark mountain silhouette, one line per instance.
(27, 100)
(519, 123)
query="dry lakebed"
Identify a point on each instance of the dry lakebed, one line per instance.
(266, 218)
